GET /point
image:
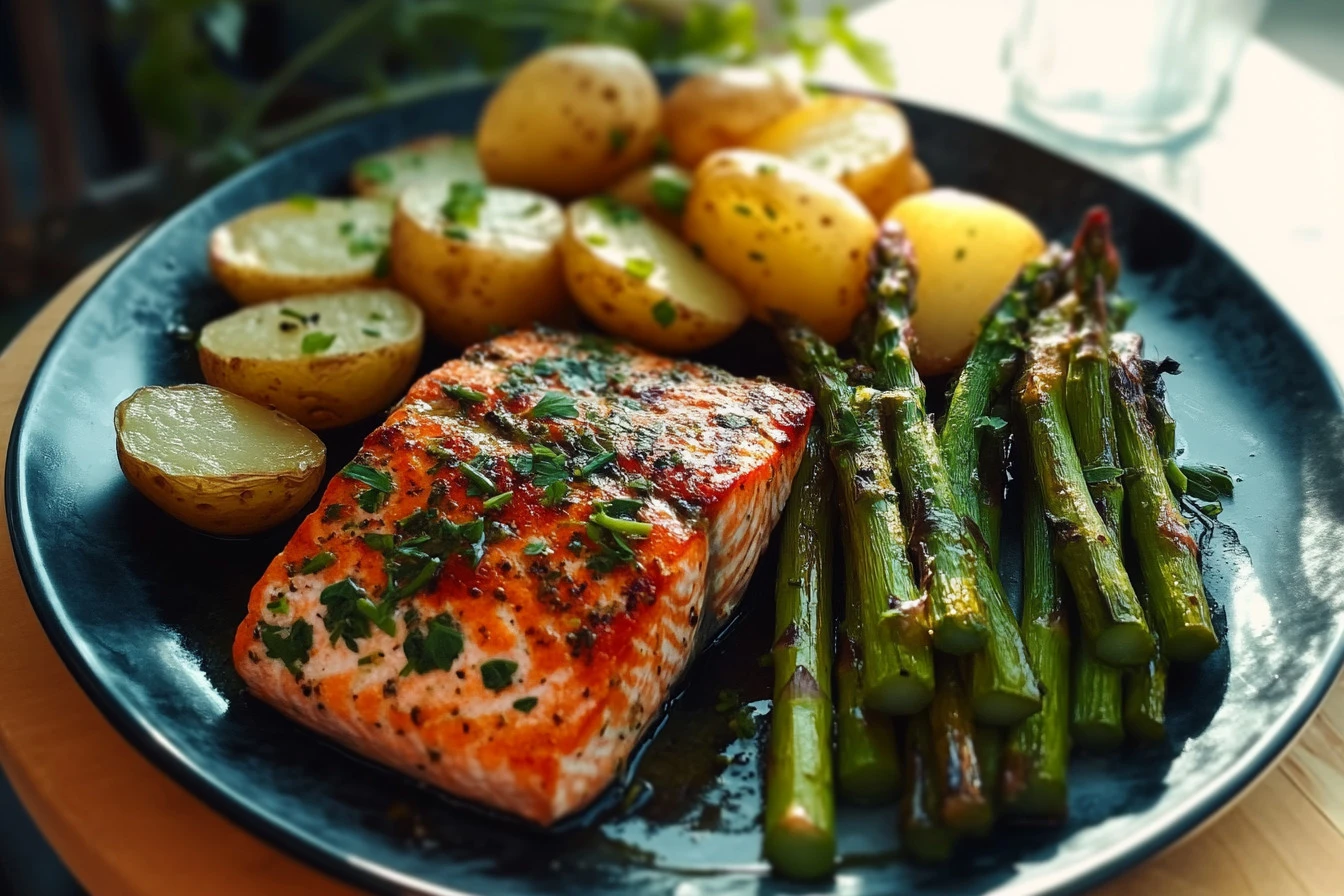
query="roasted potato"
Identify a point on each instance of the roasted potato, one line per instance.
(658, 191)
(792, 240)
(441, 158)
(637, 280)
(723, 108)
(570, 121)
(920, 179)
(325, 360)
(968, 249)
(301, 245)
(479, 259)
(215, 460)
(863, 143)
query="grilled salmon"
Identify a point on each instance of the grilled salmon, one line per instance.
(498, 594)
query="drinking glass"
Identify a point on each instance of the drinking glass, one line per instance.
(1137, 72)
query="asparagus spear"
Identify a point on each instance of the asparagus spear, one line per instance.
(989, 368)
(925, 837)
(1111, 616)
(941, 540)
(989, 752)
(868, 764)
(1003, 686)
(893, 622)
(1168, 556)
(799, 797)
(1145, 688)
(965, 808)
(1095, 713)
(1036, 755)
(993, 467)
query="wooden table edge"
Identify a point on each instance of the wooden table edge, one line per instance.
(124, 827)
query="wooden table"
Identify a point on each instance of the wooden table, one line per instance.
(124, 827)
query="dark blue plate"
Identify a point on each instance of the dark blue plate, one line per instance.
(143, 609)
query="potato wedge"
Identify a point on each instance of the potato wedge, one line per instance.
(570, 121)
(441, 158)
(792, 240)
(968, 249)
(637, 280)
(301, 245)
(325, 360)
(723, 108)
(863, 143)
(478, 259)
(659, 191)
(215, 460)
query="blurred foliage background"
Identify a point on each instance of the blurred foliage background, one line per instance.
(136, 105)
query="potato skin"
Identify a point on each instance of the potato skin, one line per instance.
(234, 504)
(967, 249)
(570, 121)
(719, 109)
(863, 143)
(701, 306)
(794, 241)
(637, 189)
(251, 280)
(471, 289)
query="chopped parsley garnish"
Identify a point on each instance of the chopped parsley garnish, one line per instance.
(316, 342)
(767, 169)
(345, 228)
(732, 421)
(554, 405)
(382, 267)
(343, 619)
(371, 333)
(377, 316)
(533, 548)
(531, 210)
(525, 704)
(279, 606)
(376, 170)
(669, 193)
(456, 232)
(498, 674)
(462, 393)
(596, 464)
(381, 542)
(497, 501)
(639, 484)
(477, 482)
(297, 315)
(632, 528)
(370, 500)
(596, 239)
(664, 313)
(317, 562)
(641, 268)
(366, 660)
(465, 199)
(743, 210)
(290, 646)
(333, 513)
(305, 201)
(618, 138)
(437, 646)
(374, 479)
(615, 211)
(769, 211)
(554, 495)
(364, 244)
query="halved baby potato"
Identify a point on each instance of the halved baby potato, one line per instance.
(302, 245)
(637, 280)
(658, 191)
(795, 242)
(325, 360)
(478, 259)
(215, 460)
(441, 158)
(571, 120)
(863, 143)
(719, 109)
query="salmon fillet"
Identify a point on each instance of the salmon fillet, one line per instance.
(498, 594)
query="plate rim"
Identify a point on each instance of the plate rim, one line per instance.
(1201, 808)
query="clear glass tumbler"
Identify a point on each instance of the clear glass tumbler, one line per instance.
(1132, 72)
